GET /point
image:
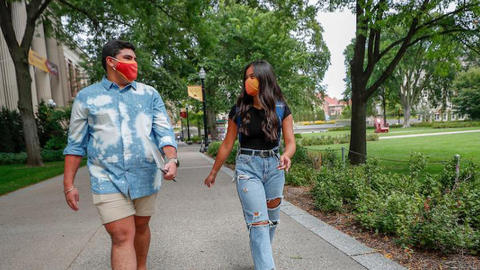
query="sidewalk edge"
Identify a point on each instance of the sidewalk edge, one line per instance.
(369, 258)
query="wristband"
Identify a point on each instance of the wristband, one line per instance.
(68, 190)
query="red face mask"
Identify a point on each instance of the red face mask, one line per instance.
(251, 86)
(128, 69)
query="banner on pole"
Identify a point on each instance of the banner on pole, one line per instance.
(183, 113)
(37, 60)
(195, 91)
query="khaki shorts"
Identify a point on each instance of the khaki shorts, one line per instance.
(116, 206)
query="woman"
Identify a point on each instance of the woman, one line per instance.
(259, 118)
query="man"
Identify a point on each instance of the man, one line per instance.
(119, 122)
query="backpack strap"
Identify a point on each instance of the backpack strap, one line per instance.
(279, 110)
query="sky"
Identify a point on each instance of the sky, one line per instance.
(339, 29)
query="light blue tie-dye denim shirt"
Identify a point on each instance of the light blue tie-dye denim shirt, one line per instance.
(113, 127)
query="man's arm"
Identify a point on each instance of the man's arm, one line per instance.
(163, 131)
(170, 167)
(75, 150)
(72, 163)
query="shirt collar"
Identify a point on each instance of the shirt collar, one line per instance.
(109, 84)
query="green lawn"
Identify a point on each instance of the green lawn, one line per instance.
(13, 177)
(393, 131)
(438, 148)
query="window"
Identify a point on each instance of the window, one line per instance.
(437, 116)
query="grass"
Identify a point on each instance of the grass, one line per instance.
(393, 131)
(437, 148)
(17, 176)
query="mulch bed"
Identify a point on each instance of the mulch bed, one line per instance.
(412, 259)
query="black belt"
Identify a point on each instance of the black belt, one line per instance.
(261, 153)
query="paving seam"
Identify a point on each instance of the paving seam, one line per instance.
(83, 248)
(370, 259)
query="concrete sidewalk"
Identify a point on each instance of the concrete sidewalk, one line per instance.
(194, 228)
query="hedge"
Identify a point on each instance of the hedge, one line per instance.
(419, 209)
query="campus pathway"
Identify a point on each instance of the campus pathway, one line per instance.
(194, 228)
(428, 134)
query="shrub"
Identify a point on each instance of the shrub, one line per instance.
(52, 123)
(300, 175)
(456, 124)
(13, 158)
(11, 126)
(326, 139)
(297, 135)
(52, 155)
(440, 213)
(196, 139)
(215, 146)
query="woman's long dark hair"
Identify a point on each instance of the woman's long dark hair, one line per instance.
(268, 95)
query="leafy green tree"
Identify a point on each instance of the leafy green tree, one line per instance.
(467, 100)
(421, 20)
(286, 34)
(18, 49)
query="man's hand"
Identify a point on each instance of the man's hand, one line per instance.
(171, 169)
(72, 199)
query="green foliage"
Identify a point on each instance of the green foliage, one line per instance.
(455, 124)
(468, 98)
(13, 158)
(300, 175)
(326, 139)
(12, 131)
(21, 158)
(421, 210)
(52, 126)
(215, 146)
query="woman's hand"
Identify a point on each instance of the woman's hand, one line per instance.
(284, 163)
(210, 180)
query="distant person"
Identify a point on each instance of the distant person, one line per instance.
(259, 117)
(117, 123)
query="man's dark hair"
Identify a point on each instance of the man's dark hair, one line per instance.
(112, 48)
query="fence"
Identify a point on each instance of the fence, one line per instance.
(439, 162)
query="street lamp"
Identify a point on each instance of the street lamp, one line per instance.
(202, 74)
(188, 125)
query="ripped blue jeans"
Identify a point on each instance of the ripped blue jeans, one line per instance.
(260, 189)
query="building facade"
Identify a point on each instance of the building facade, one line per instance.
(54, 67)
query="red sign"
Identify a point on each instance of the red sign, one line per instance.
(183, 114)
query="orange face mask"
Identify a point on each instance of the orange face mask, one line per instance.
(251, 86)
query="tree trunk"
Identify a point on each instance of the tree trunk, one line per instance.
(406, 113)
(212, 123)
(358, 133)
(30, 131)
(384, 103)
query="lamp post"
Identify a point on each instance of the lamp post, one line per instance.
(202, 76)
(188, 126)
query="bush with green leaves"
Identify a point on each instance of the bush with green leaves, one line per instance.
(11, 126)
(300, 175)
(213, 148)
(53, 125)
(456, 124)
(326, 139)
(421, 210)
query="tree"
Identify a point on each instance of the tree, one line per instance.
(467, 100)
(285, 33)
(18, 48)
(422, 20)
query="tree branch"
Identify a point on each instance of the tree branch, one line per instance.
(6, 25)
(81, 10)
(388, 71)
(444, 16)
